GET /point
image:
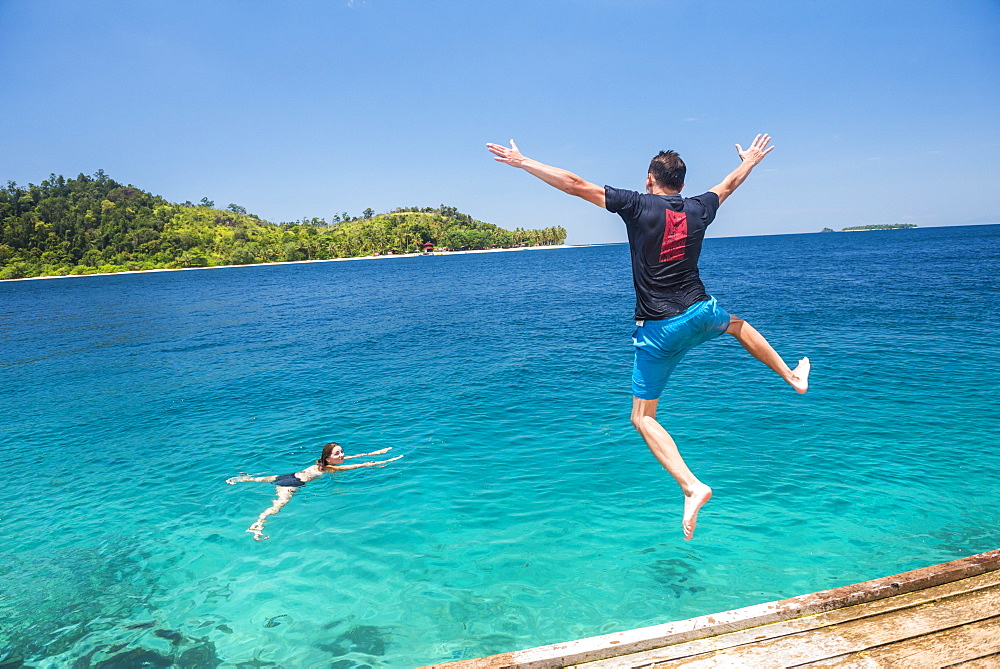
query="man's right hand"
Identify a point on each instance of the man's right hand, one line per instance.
(509, 156)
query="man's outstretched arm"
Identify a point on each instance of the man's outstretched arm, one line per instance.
(553, 176)
(749, 158)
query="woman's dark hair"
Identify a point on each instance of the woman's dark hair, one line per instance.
(327, 449)
(668, 169)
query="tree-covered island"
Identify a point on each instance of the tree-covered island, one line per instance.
(880, 226)
(93, 224)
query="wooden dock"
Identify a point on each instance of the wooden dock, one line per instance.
(947, 615)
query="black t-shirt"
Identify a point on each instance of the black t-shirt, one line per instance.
(665, 234)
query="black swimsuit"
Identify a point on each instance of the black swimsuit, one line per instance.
(289, 481)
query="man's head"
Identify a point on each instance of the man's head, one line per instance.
(667, 171)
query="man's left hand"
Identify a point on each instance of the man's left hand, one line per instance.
(757, 151)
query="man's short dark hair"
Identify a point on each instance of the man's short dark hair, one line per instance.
(668, 169)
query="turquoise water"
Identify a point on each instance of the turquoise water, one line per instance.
(525, 511)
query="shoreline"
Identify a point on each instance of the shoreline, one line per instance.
(303, 262)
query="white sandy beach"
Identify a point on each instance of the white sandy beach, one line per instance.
(302, 262)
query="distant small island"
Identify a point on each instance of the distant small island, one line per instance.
(880, 226)
(94, 224)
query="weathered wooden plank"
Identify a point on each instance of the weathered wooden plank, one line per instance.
(985, 662)
(854, 636)
(964, 644)
(620, 644)
(797, 625)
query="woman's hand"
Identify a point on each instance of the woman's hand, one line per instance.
(384, 462)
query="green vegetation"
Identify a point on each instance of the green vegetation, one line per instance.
(827, 230)
(94, 224)
(882, 226)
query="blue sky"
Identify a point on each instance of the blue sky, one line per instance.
(881, 112)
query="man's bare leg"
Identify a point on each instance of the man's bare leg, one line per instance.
(758, 347)
(665, 450)
(284, 497)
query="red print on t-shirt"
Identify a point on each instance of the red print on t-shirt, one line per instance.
(674, 236)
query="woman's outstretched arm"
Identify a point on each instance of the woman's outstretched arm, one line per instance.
(361, 455)
(365, 464)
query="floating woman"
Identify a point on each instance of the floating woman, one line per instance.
(330, 461)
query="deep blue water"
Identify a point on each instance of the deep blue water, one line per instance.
(526, 510)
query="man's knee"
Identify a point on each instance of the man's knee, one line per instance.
(642, 412)
(645, 424)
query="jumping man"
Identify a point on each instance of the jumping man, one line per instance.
(673, 313)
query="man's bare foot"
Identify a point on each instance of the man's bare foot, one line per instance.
(692, 504)
(800, 376)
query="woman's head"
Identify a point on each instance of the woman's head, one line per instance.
(333, 454)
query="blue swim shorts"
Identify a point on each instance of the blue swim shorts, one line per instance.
(660, 345)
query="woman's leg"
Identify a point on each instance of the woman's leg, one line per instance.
(284, 496)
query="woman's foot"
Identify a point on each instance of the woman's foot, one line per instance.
(258, 531)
